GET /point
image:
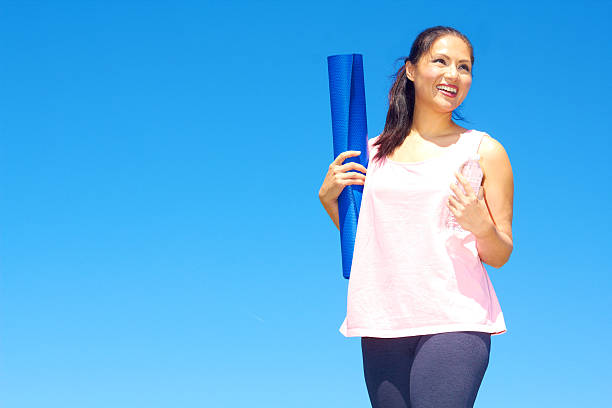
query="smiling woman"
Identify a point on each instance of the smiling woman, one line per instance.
(419, 295)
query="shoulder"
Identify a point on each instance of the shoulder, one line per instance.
(490, 146)
(493, 156)
(371, 147)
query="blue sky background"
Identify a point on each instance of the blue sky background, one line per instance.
(161, 239)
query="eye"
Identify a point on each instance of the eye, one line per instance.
(438, 59)
(466, 68)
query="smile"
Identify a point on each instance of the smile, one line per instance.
(449, 91)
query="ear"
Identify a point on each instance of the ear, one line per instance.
(409, 71)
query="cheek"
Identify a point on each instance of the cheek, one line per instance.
(427, 81)
(429, 76)
(465, 85)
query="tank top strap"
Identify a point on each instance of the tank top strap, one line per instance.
(472, 142)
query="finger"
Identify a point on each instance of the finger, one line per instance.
(352, 166)
(465, 184)
(458, 193)
(353, 180)
(480, 192)
(453, 203)
(345, 155)
(352, 176)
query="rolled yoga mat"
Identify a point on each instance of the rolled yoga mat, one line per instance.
(350, 132)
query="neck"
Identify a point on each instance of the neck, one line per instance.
(429, 124)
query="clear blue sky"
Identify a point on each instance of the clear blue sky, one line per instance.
(161, 239)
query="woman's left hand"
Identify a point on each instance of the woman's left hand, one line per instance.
(470, 211)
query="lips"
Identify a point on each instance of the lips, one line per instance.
(447, 93)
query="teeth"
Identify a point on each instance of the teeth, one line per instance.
(446, 88)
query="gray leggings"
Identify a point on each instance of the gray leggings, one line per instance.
(442, 370)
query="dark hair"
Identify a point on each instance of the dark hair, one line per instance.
(401, 95)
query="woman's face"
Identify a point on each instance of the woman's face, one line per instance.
(447, 63)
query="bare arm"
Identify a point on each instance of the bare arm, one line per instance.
(495, 243)
(332, 209)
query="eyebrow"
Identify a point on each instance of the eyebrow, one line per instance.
(444, 55)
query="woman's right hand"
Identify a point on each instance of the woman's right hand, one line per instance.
(338, 176)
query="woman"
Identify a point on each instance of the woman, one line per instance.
(419, 296)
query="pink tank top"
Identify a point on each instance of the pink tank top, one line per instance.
(411, 273)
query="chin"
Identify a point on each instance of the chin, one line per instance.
(446, 108)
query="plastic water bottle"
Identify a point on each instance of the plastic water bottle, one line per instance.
(473, 173)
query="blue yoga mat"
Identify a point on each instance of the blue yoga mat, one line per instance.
(350, 132)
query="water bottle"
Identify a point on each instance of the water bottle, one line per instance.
(473, 173)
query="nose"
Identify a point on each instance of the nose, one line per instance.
(452, 72)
